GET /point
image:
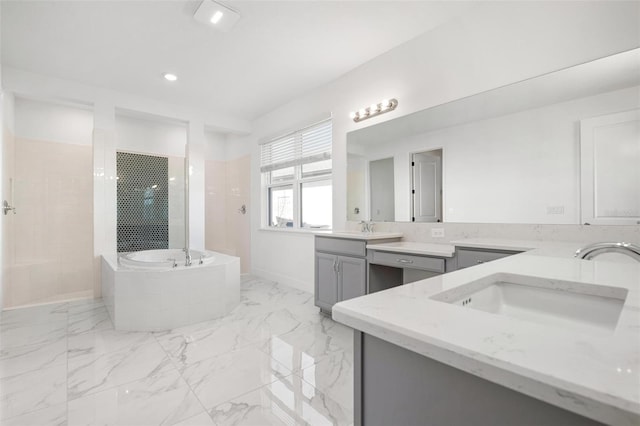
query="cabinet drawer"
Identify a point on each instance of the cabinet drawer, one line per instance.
(468, 257)
(341, 246)
(401, 260)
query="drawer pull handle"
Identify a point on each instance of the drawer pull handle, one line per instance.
(405, 261)
(480, 261)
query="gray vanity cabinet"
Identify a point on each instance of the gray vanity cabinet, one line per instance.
(339, 278)
(340, 270)
(468, 256)
(326, 291)
(352, 277)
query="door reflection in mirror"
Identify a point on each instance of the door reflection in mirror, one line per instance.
(381, 183)
(426, 186)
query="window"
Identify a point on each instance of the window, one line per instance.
(296, 178)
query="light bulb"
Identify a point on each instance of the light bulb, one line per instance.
(362, 112)
(384, 104)
(352, 114)
(373, 108)
(170, 77)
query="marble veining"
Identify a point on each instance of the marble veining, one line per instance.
(283, 402)
(65, 364)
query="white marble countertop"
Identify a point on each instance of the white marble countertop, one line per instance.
(596, 375)
(425, 249)
(355, 235)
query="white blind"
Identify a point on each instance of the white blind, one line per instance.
(304, 146)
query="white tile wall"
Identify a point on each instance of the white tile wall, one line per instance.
(161, 300)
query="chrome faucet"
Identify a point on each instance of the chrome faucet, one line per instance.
(366, 226)
(187, 257)
(593, 250)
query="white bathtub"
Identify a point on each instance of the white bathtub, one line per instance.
(143, 291)
(164, 259)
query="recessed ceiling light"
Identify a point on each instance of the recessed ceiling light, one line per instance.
(216, 15)
(170, 77)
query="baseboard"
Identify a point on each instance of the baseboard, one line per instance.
(283, 279)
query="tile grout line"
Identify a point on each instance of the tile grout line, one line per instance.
(183, 379)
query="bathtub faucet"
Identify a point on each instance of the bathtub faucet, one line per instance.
(187, 257)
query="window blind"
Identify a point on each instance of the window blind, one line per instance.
(304, 146)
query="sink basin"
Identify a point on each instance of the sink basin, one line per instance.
(580, 306)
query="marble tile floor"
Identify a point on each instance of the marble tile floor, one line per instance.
(275, 360)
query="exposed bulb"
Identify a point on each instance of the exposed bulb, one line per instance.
(352, 115)
(384, 104)
(362, 112)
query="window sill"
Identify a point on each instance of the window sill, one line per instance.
(302, 231)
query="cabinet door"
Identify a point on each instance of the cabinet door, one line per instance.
(352, 277)
(326, 280)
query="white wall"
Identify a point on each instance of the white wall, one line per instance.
(215, 146)
(496, 44)
(6, 130)
(46, 121)
(152, 137)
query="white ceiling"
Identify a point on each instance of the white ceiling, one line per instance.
(277, 51)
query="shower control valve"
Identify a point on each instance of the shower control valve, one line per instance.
(6, 207)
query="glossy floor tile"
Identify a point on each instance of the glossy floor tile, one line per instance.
(287, 401)
(273, 360)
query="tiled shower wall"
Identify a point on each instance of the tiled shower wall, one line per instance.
(227, 229)
(50, 241)
(150, 202)
(143, 202)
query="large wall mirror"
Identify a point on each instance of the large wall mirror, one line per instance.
(561, 148)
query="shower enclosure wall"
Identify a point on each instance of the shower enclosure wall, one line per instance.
(60, 174)
(48, 178)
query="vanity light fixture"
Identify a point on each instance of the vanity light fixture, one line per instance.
(216, 15)
(385, 105)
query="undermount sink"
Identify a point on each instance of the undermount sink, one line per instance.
(579, 306)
